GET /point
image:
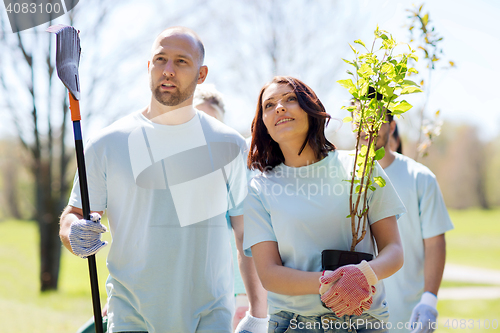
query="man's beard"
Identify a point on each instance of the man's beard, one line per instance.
(176, 97)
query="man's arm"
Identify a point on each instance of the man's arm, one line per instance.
(69, 215)
(257, 295)
(434, 260)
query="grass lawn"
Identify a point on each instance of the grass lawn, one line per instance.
(22, 307)
(474, 242)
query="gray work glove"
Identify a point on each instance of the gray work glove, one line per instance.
(85, 236)
(424, 314)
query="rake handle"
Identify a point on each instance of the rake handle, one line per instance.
(82, 176)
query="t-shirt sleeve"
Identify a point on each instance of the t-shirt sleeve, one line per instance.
(384, 201)
(96, 183)
(257, 219)
(237, 183)
(434, 216)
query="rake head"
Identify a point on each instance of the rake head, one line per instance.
(67, 57)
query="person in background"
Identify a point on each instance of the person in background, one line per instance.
(252, 315)
(395, 141)
(297, 207)
(412, 291)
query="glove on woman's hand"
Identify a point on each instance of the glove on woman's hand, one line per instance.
(348, 289)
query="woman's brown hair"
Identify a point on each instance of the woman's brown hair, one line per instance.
(265, 153)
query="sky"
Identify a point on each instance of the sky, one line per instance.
(464, 94)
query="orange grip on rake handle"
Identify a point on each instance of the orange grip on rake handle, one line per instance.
(74, 106)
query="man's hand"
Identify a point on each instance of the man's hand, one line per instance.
(85, 236)
(251, 324)
(424, 314)
(348, 289)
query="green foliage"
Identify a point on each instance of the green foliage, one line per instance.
(380, 69)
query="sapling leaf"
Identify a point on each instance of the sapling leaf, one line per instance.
(387, 68)
(403, 106)
(347, 119)
(372, 188)
(410, 90)
(358, 41)
(379, 154)
(380, 181)
(346, 83)
(408, 83)
(365, 70)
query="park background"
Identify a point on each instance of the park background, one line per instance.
(247, 42)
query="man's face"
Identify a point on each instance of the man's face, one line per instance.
(174, 69)
(383, 134)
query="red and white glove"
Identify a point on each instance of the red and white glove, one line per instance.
(348, 290)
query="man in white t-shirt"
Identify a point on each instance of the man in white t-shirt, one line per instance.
(166, 176)
(412, 291)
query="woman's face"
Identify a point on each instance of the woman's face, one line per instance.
(282, 115)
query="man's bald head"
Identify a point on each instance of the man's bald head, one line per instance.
(183, 31)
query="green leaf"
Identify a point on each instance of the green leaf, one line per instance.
(353, 49)
(387, 68)
(410, 90)
(365, 70)
(409, 83)
(379, 154)
(364, 89)
(372, 188)
(347, 84)
(401, 107)
(347, 119)
(348, 217)
(358, 41)
(380, 181)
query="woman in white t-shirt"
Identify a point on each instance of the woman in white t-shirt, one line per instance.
(297, 207)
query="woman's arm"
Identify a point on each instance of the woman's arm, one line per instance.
(279, 279)
(390, 250)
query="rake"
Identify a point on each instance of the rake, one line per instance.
(67, 60)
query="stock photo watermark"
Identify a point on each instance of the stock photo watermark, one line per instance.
(27, 14)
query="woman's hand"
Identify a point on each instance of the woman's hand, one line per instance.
(348, 289)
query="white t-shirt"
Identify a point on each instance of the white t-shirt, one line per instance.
(166, 190)
(427, 217)
(304, 210)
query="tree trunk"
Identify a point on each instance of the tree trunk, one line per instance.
(48, 224)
